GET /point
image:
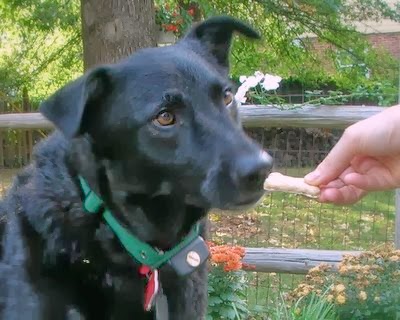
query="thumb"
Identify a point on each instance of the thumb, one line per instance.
(338, 160)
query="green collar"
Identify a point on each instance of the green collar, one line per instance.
(140, 251)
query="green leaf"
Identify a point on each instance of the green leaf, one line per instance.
(213, 301)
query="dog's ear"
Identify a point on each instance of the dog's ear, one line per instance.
(72, 107)
(215, 36)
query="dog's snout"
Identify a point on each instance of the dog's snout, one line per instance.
(252, 170)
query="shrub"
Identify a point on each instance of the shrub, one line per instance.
(227, 284)
(365, 287)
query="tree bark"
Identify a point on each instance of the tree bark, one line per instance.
(114, 29)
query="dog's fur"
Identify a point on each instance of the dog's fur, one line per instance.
(58, 262)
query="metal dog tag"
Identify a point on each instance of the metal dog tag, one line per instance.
(161, 306)
(190, 257)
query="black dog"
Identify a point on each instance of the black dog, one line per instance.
(157, 139)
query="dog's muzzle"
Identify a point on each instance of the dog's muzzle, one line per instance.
(238, 184)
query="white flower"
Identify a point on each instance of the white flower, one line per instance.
(271, 82)
(259, 75)
(241, 93)
(251, 81)
(256, 79)
(242, 79)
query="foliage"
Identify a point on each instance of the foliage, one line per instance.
(366, 287)
(227, 284)
(174, 18)
(381, 93)
(316, 308)
(262, 89)
(41, 45)
(286, 51)
(41, 41)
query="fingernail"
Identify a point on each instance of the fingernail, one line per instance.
(312, 176)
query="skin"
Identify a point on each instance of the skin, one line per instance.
(366, 158)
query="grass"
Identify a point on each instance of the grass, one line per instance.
(286, 220)
(316, 308)
(292, 221)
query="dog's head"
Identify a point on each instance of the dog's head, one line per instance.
(165, 121)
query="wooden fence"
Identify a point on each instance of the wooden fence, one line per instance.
(294, 261)
(252, 116)
(16, 146)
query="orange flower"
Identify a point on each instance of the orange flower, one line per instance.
(230, 257)
(232, 266)
(219, 258)
(171, 27)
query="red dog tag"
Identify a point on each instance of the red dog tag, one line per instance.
(151, 288)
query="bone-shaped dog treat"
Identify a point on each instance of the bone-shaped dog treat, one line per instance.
(279, 182)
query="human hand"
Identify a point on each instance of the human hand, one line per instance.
(366, 158)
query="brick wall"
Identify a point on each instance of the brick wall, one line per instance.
(388, 41)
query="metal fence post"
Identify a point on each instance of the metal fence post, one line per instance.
(397, 221)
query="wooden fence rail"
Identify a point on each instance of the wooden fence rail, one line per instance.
(252, 116)
(293, 261)
(24, 121)
(306, 116)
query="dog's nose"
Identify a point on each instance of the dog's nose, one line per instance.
(252, 170)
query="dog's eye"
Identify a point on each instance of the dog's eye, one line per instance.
(165, 118)
(228, 97)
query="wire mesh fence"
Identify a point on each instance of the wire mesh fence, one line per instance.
(281, 220)
(291, 221)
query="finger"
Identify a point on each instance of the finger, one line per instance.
(369, 182)
(344, 196)
(335, 163)
(338, 183)
(363, 164)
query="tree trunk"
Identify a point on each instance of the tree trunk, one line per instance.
(113, 29)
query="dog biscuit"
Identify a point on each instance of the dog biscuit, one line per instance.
(279, 182)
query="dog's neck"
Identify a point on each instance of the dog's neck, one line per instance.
(55, 210)
(163, 208)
